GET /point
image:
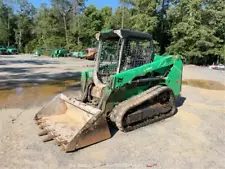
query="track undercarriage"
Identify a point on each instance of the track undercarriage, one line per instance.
(155, 104)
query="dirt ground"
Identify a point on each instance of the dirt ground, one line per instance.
(30, 69)
(193, 138)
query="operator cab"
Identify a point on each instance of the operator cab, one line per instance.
(121, 50)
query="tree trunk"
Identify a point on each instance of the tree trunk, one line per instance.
(43, 39)
(76, 15)
(122, 24)
(65, 27)
(8, 29)
(20, 39)
(78, 25)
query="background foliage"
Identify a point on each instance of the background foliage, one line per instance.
(194, 29)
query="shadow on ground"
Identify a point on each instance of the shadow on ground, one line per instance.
(32, 62)
(180, 101)
(12, 76)
(36, 78)
(20, 69)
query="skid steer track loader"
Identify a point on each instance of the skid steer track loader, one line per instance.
(130, 87)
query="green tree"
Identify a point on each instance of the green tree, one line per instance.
(63, 8)
(3, 23)
(49, 28)
(78, 9)
(121, 18)
(145, 18)
(7, 22)
(193, 29)
(106, 13)
(24, 23)
(193, 35)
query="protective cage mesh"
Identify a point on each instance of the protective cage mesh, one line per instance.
(135, 53)
(109, 57)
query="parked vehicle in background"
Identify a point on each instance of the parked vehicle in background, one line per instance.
(8, 50)
(78, 54)
(3, 50)
(90, 53)
(60, 53)
(38, 52)
(217, 67)
(11, 50)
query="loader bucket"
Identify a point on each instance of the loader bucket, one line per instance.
(71, 123)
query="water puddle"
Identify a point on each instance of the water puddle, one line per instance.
(27, 94)
(205, 84)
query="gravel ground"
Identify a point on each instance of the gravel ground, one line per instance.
(197, 72)
(30, 69)
(193, 138)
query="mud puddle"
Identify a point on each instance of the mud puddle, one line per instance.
(30, 94)
(205, 84)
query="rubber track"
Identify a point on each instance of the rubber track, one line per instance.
(120, 110)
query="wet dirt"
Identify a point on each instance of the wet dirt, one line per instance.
(193, 138)
(205, 84)
(27, 94)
